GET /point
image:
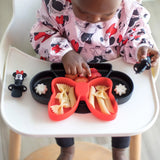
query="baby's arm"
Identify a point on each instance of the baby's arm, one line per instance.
(138, 42)
(48, 40)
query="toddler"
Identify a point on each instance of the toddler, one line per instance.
(77, 32)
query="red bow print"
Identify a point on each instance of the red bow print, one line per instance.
(19, 72)
(40, 35)
(69, 1)
(60, 19)
(43, 58)
(56, 48)
(120, 38)
(75, 45)
(112, 30)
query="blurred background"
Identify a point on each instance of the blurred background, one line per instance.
(150, 139)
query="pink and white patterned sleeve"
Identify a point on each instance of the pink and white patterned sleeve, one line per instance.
(138, 34)
(46, 37)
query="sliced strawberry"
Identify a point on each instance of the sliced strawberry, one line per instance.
(93, 70)
(81, 79)
(94, 75)
(71, 76)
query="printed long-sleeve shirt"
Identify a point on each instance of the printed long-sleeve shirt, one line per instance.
(58, 31)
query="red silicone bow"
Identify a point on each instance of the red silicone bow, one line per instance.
(81, 90)
(19, 72)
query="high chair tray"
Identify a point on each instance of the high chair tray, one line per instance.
(29, 117)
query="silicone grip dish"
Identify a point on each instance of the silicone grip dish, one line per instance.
(82, 90)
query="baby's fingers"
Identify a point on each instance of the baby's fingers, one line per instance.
(79, 69)
(86, 67)
(67, 69)
(142, 53)
(74, 70)
(154, 57)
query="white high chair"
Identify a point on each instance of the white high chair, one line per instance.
(17, 35)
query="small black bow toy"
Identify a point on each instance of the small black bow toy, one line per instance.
(145, 64)
(17, 88)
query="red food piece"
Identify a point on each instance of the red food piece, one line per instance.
(84, 78)
(71, 76)
(81, 79)
(93, 70)
(94, 75)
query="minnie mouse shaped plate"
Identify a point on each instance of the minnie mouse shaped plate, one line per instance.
(97, 93)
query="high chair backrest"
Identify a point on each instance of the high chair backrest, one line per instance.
(17, 32)
(24, 12)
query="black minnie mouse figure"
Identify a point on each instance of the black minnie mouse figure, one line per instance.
(17, 88)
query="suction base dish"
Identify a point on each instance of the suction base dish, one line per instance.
(57, 70)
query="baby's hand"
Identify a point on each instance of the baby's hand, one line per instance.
(145, 51)
(74, 64)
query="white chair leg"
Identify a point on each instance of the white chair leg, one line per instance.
(135, 147)
(14, 146)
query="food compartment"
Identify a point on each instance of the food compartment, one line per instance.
(63, 101)
(101, 101)
(125, 86)
(43, 78)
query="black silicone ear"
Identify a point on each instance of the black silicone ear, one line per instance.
(24, 75)
(10, 87)
(14, 74)
(24, 88)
